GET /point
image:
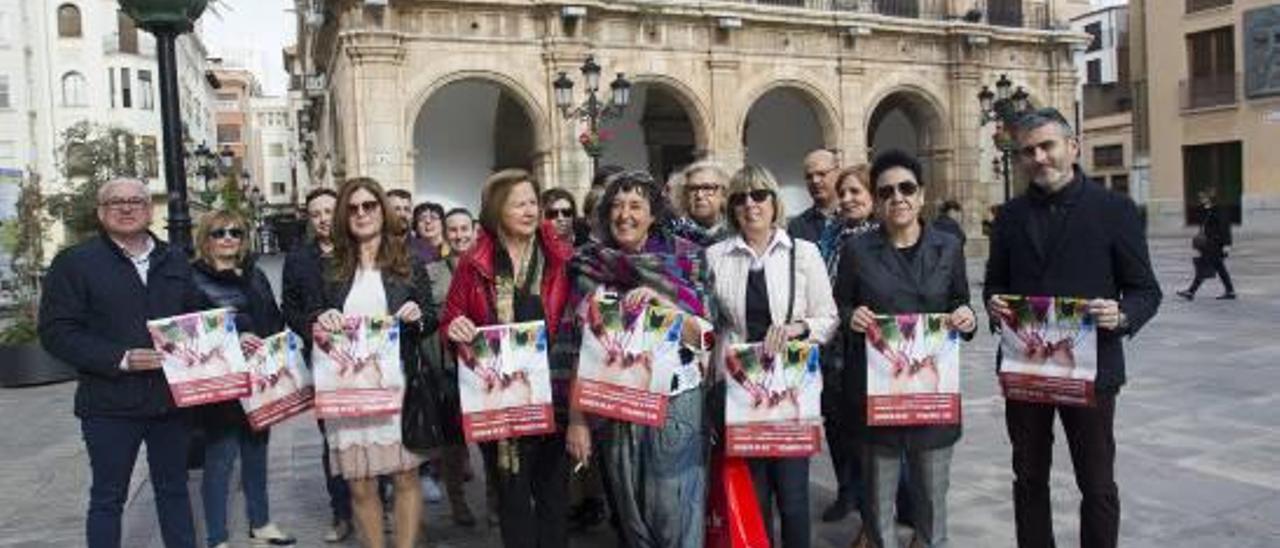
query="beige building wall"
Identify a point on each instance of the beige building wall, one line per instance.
(1254, 122)
(383, 65)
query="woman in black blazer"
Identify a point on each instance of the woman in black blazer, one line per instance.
(904, 267)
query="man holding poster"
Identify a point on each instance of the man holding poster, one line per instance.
(774, 292)
(97, 299)
(1068, 237)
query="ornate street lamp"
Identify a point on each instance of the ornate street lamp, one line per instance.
(1003, 106)
(592, 110)
(167, 19)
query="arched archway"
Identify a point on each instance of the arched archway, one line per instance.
(661, 131)
(466, 129)
(911, 120)
(784, 124)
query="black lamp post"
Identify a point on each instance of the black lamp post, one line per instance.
(167, 19)
(593, 110)
(1004, 108)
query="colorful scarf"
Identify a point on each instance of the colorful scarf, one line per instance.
(675, 268)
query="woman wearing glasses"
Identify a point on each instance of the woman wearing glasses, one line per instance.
(559, 207)
(516, 272)
(904, 267)
(372, 275)
(772, 289)
(657, 475)
(225, 272)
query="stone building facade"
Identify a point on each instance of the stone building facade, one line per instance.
(429, 95)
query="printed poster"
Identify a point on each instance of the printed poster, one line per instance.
(913, 371)
(773, 403)
(1048, 350)
(627, 361)
(357, 370)
(280, 383)
(505, 383)
(202, 359)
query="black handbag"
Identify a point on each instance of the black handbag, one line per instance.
(421, 426)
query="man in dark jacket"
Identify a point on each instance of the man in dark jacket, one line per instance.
(1065, 237)
(820, 167)
(302, 284)
(98, 297)
(1211, 245)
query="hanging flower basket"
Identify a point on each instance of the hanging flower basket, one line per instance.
(594, 142)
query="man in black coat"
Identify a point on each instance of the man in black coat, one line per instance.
(97, 299)
(1065, 237)
(1211, 245)
(302, 284)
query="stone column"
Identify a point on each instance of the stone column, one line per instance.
(853, 110)
(376, 120)
(963, 160)
(564, 163)
(726, 136)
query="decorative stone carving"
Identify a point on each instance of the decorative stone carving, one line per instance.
(1262, 52)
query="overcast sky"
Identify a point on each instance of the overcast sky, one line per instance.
(252, 32)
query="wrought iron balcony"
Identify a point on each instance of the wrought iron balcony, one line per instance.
(1005, 13)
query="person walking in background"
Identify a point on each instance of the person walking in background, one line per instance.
(1067, 237)
(97, 298)
(302, 282)
(227, 274)
(1211, 243)
(904, 267)
(517, 272)
(772, 289)
(372, 275)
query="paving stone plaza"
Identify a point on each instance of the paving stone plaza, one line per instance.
(1198, 459)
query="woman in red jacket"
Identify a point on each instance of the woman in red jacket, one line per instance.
(516, 272)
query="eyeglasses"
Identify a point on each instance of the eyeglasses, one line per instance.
(758, 196)
(905, 188)
(703, 189)
(365, 207)
(223, 233)
(120, 204)
(552, 214)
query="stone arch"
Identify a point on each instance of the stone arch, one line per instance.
(482, 121)
(693, 105)
(663, 129)
(781, 123)
(911, 118)
(824, 108)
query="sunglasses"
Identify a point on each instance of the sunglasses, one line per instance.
(905, 188)
(558, 213)
(222, 233)
(365, 207)
(702, 189)
(757, 196)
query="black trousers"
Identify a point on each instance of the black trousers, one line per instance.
(533, 500)
(843, 445)
(1206, 267)
(1093, 451)
(786, 481)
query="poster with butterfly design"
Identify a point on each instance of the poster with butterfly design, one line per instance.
(357, 369)
(628, 359)
(280, 383)
(773, 402)
(913, 371)
(505, 383)
(202, 358)
(1048, 350)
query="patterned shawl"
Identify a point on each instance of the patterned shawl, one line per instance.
(675, 268)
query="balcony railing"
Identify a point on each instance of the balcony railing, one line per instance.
(1006, 14)
(1202, 5)
(1215, 90)
(1107, 99)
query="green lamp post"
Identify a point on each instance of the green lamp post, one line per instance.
(167, 19)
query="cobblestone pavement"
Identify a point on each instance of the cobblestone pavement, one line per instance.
(1198, 442)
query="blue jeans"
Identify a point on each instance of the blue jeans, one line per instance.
(221, 447)
(659, 477)
(113, 444)
(787, 481)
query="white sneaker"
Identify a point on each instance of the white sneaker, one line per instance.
(431, 490)
(270, 535)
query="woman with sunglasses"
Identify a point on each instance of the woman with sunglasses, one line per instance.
(559, 207)
(905, 267)
(516, 272)
(772, 289)
(226, 273)
(656, 475)
(372, 275)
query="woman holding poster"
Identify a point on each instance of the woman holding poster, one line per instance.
(516, 272)
(371, 275)
(905, 267)
(657, 475)
(226, 274)
(772, 289)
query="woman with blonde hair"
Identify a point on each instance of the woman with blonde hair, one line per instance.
(225, 272)
(372, 275)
